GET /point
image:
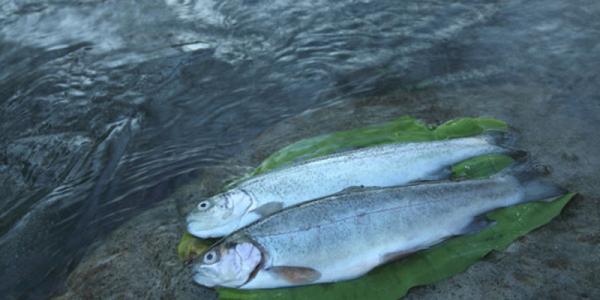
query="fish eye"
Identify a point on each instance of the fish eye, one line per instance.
(204, 205)
(210, 257)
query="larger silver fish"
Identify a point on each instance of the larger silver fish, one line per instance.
(386, 165)
(344, 236)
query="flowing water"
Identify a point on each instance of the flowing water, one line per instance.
(105, 106)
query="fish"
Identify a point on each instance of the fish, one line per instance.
(384, 165)
(344, 236)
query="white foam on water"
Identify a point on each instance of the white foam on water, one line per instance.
(56, 28)
(197, 10)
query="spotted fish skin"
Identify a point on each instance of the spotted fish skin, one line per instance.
(344, 236)
(383, 166)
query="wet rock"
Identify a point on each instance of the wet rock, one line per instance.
(32, 166)
(139, 260)
(43, 160)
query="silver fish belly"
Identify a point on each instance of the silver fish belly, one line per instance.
(386, 165)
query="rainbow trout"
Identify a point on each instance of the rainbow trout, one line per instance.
(386, 165)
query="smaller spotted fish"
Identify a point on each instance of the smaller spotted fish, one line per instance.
(386, 165)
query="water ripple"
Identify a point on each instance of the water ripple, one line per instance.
(106, 105)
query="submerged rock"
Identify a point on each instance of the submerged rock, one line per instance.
(30, 166)
(43, 160)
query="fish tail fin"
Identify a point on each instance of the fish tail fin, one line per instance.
(537, 190)
(502, 138)
(534, 181)
(506, 140)
(519, 156)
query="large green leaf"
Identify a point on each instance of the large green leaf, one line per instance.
(393, 280)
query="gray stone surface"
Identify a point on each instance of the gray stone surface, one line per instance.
(557, 261)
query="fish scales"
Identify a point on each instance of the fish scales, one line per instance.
(385, 165)
(346, 235)
(391, 163)
(329, 234)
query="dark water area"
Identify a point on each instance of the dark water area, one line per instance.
(107, 106)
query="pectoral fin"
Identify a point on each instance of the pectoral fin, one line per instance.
(296, 275)
(268, 208)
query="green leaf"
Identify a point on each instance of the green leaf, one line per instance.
(468, 126)
(393, 280)
(481, 166)
(190, 246)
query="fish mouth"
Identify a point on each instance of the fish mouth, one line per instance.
(202, 226)
(199, 229)
(202, 277)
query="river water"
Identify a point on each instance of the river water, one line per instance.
(107, 106)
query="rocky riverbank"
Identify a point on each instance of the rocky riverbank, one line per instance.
(139, 260)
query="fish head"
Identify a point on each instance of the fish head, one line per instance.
(227, 264)
(219, 215)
